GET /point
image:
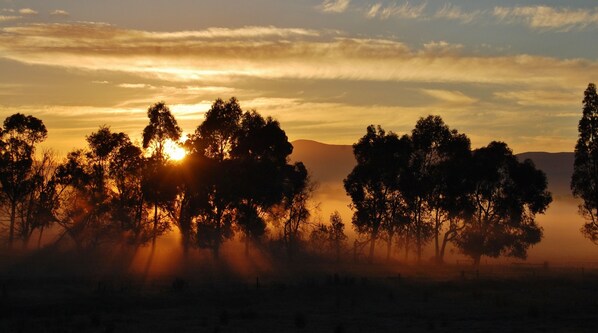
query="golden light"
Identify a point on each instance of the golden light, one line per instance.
(174, 151)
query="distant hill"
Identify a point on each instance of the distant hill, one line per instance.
(558, 168)
(332, 163)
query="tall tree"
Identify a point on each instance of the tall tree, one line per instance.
(507, 195)
(158, 190)
(18, 138)
(584, 182)
(212, 142)
(435, 180)
(246, 156)
(373, 184)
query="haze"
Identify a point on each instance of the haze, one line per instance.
(496, 70)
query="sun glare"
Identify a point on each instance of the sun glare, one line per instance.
(174, 151)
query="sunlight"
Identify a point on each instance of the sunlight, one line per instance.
(174, 151)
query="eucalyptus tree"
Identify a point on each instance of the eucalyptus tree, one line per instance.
(39, 209)
(584, 181)
(507, 195)
(88, 189)
(246, 173)
(373, 184)
(156, 188)
(436, 184)
(18, 138)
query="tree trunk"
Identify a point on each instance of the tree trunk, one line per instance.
(155, 232)
(443, 248)
(247, 245)
(407, 239)
(216, 250)
(436, 240)
(372, 247)
(388, 247)
(476, 260)
(11, 230)
(39, 239)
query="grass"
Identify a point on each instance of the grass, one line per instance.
(361, 299)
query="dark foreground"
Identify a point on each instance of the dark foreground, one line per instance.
(399, 299)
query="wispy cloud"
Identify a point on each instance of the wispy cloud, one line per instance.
(59, 12)
(373, 11)
(6, 18)
(27, 11)
(545, 98)
(450, 96)
(334, 6)
(404, 10)
(135, 85)
(455, 13)
(268, 53)
(548, 18)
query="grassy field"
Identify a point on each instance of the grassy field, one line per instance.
(308, 298)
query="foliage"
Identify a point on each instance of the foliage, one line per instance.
(584, 182)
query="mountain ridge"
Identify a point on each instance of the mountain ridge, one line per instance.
(333, 162)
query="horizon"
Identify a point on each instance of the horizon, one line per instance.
(326, 69)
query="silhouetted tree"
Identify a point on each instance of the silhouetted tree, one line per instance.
(435, 182)
(294, 211)
(161, 128)
(584, 182)
(260, 151)
(88, 214)
(373, 185)
(127, 204)
(156, 188)
(507, 194)
(38, 210)
(18, 138)
(213, 140)
(246, 157)
(337, 235)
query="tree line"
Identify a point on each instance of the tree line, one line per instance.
(428, 186)
(431, 186)
(235, 179)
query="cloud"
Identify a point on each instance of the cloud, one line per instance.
(405, 11)
(27, 11)
(373, 11)
(59, 12)
(548, 18)
(6, 18)
(452, 12)
(334, 6)
(442, 47)
(135, 85)
(450, 96)
(224, 54)
(544, 98)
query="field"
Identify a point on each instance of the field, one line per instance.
(307, 298)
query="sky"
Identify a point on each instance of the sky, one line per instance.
(495, 70)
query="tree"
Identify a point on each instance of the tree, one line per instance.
(162, 127)
(507, 195)
(584, 182)
(39, 209)
(294, 211)
(337, 235)
(18, 138)
(436, 180)
(93, 182)
(156, 189)
(373, 184)
(211, 143)
(246, 158)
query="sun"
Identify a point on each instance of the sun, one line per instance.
(174, 151)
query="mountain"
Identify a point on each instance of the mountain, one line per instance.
(332, 163)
